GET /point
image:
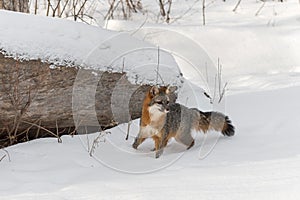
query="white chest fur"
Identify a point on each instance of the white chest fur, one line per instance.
(156, 122)
(155, 113)
(148, 131)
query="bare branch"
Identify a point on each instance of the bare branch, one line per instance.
(219, 89)
(260, 8)
(97, 140)
(56, 8)
(110, 11)
(7, 154)
(222, 89)
(64, 8)
(169, 11)
(141, 26)
(237, 5)
(162, 8)
(2, 157)
(128, 128)
(157, 68)
(38, 126)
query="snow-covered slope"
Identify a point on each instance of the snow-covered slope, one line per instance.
(261, 161)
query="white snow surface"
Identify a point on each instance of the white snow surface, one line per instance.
(259, 55)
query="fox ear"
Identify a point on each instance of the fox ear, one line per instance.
(154, 91)
(171, 89)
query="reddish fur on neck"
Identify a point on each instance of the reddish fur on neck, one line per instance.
(145, 119)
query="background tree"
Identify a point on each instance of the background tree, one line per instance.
(15, 5)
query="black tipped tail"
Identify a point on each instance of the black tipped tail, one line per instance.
(228, 128)
(215, 121)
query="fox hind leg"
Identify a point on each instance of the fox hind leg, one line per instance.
(163, 144)
(191, 145)
(186, 139)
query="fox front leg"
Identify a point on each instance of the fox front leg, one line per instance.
(159, 146)
(138, 140)
(159, 152)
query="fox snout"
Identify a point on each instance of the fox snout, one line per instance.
(163, 106)
(167, 109)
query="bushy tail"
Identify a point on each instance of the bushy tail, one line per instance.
(216, 121)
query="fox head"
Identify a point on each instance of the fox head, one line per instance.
(160, 98)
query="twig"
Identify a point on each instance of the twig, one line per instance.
(73, 132)
(81, 8)
(56, 8)
(162, 8)
(185, 12)
(215, 89)
(128, 129)
(203, 12)
(222, 93)
(221, 89)
(38, 131)
(219, 76)
(123, 64)
(56, 125)
(141, 26)
(35, 7)
(64, 8)
(123, 10)
(169, 11)
(97, 140)
(2, 157)
(78, 17)
(157, 68)
(5, 155)
(48, 8)
(158, 74)
(109, 14)
(237, 5)
(209, 97)
(260, 8)
(57, 136)
(87, 137)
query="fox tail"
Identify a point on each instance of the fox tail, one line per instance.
(215, 121)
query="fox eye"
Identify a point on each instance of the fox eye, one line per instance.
(168, 102)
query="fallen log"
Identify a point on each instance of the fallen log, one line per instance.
(37, 100)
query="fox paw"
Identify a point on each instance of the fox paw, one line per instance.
(135, 145)
(158, 153)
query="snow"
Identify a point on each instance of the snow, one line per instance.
(259, 55)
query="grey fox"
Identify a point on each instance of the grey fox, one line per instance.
(163, 120)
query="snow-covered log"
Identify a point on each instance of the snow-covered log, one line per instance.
(38, 101)
(61, 77)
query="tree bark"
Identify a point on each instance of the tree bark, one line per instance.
(15, 5)
(38, 101)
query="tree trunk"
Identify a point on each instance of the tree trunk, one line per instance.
(38, 101)
(15, 5)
